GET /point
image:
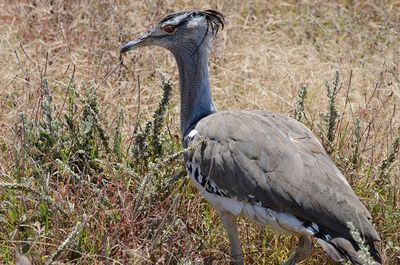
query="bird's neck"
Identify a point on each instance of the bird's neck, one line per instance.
(196, 100)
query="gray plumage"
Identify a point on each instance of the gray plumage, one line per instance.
(262, 165)
(282, 165)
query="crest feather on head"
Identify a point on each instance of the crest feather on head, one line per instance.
(214, 19)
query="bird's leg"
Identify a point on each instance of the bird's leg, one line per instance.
(230, 224)
(302, 251)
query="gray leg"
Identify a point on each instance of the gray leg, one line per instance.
(230, 224)
(302, 251)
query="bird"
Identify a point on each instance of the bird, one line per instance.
(262, 165)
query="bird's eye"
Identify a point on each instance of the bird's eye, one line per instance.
(169, 28)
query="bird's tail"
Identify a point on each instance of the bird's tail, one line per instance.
(340, 249)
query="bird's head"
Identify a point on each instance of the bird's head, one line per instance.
(186, 30)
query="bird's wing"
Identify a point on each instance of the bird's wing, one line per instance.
(279, 162)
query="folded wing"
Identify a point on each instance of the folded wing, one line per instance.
(279, 162)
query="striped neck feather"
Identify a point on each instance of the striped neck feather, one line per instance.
(196, 99)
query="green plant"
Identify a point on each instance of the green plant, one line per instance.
(300, 103)
(331, 116)
(148, 142)
(355, 144)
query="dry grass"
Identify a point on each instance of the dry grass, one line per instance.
(124, 208)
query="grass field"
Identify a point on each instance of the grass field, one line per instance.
(91, 168)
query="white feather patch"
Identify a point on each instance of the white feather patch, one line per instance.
(196, 22)
(175, 20)
(192, 133)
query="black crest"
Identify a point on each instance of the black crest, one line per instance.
(214, 18)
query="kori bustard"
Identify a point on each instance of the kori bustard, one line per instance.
(262, 165)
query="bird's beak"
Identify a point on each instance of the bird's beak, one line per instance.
(143, 40)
